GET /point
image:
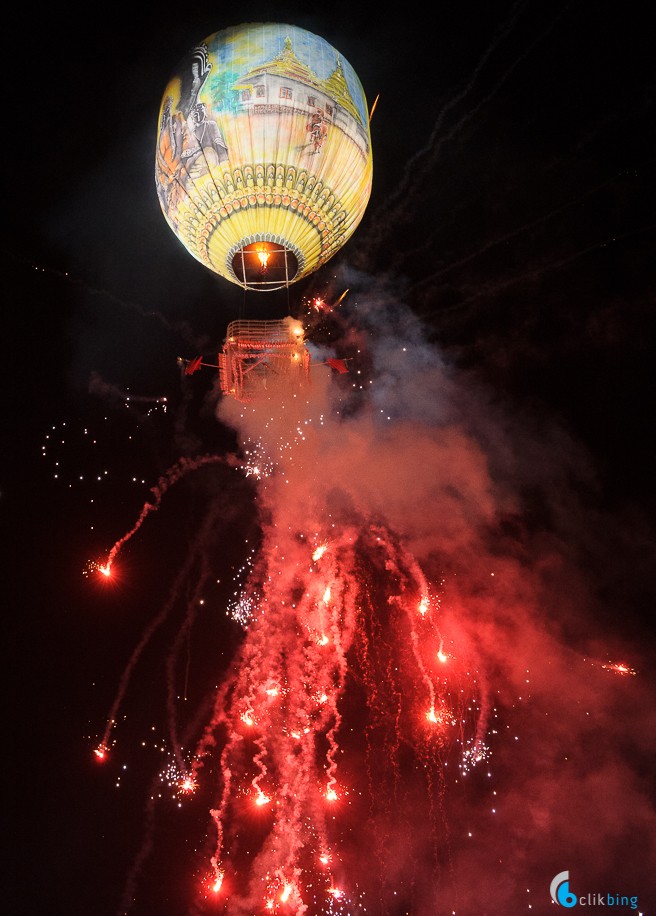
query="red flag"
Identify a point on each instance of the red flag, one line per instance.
(193, 365)
(339, 364)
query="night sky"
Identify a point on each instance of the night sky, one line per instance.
(501, 303)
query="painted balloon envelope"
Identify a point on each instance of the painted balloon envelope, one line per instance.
(263, 159)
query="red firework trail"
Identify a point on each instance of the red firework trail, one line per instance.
(341, 685)
(175, 473)
(341, 673)
(286, 729)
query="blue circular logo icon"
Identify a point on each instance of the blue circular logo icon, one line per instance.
(560, 892)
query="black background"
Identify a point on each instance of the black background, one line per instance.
(513, 203)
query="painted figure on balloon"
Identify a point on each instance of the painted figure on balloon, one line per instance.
(318, 130)
(190, 143)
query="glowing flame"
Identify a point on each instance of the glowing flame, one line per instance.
(93, 566)
(247, 718)
(263, 257)
(423, 605)
(319, 552)
(262, 799)
(218, 881)
(284, 897)
(442, 657)
(619, 668)
(188, 784)
(373, 107)
(326, 595)
(331, 795)
(335, 891)
(100, 752)
(430, 715)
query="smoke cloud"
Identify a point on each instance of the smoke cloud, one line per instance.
(501, 512)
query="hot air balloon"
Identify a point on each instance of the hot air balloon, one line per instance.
(263, 161)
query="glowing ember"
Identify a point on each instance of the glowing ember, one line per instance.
(94, 567)
(218, 882)
(619, 668)
(319, 552)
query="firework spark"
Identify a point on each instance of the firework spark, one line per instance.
(366, 688)
(619, 668)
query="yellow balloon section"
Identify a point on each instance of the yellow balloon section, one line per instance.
(263, 165)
